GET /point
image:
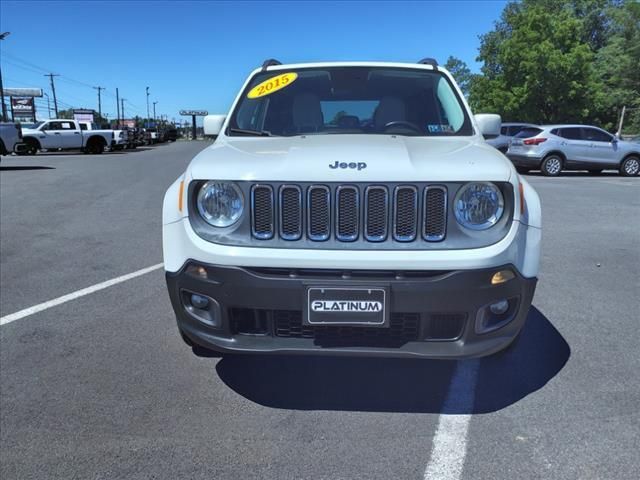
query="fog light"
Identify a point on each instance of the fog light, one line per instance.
(198, 301)
(500, 307)
(202, 308)
(496, 315)
(502, 276)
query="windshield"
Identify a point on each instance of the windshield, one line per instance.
(355, 100)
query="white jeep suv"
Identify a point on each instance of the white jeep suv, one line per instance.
(351, 209)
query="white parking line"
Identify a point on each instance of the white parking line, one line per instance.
(77, 294)
(450, 441)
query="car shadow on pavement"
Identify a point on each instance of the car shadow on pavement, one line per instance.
(34, 167)
(398, 385)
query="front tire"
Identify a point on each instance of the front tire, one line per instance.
(630, 167)
(32, 147)
(551, 166)
(95, 147)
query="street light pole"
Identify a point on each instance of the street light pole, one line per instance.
(48, 104)
(147, 90)
(154, 111)
(118, 105)
(4, 107)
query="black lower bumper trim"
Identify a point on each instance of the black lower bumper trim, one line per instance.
(524, 160)
(433, 314)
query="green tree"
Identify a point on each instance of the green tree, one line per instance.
(618, 67)
(536, 67)
(461, 73)
(337, 117)
(553, 61)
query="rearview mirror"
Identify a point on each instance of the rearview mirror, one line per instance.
(488, 124)
(213, 124)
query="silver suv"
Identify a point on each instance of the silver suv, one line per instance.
(507, 132)
(552, 148)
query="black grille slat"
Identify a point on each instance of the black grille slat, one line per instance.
(376, 213)
(319, 213)
(434, 213)
(347, 213)
(290, 212)
(263, 212)
(405, 213)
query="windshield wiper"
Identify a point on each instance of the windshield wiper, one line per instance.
(256, 133)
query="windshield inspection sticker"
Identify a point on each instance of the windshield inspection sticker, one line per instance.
(440, 128)
(272, 85)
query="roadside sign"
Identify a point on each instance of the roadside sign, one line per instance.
(197, 113)
(23, 109)
(23, 92)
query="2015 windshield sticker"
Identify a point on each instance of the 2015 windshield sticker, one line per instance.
(272, 85)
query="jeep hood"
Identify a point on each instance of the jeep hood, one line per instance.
(388, 159)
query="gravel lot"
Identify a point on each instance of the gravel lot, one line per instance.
(103, 387)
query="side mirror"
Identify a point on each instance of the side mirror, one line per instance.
(213, 124)
(488, 124)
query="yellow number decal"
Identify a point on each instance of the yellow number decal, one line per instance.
(272, 85)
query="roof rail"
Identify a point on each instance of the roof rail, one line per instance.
(429, 61)
(270, 62)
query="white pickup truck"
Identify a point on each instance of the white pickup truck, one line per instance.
(120, 137)
(65, 135)
(10, 138)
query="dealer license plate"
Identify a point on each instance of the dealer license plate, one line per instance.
(366, 306)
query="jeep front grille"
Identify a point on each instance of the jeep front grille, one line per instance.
(348, 213)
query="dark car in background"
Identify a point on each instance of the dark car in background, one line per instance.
(171, 134)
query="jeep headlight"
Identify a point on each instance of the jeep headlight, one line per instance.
(220, 203)
(478, 205)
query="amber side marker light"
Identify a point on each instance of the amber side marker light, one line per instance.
(180, 192)
(197, 271)
(502, 276)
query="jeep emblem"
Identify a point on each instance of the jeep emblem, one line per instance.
(356, 166)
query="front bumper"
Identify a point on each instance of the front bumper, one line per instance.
(519, 160)
(433, 313)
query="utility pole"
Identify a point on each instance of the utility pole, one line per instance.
(147, 90)
(53, 90)
(99, 100)
(122, 108)
(118, 105)
(154, 110)
(4, 107)
(48, 103)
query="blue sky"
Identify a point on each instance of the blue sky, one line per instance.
(197, 54)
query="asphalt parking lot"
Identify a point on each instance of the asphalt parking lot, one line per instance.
(102, 387)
